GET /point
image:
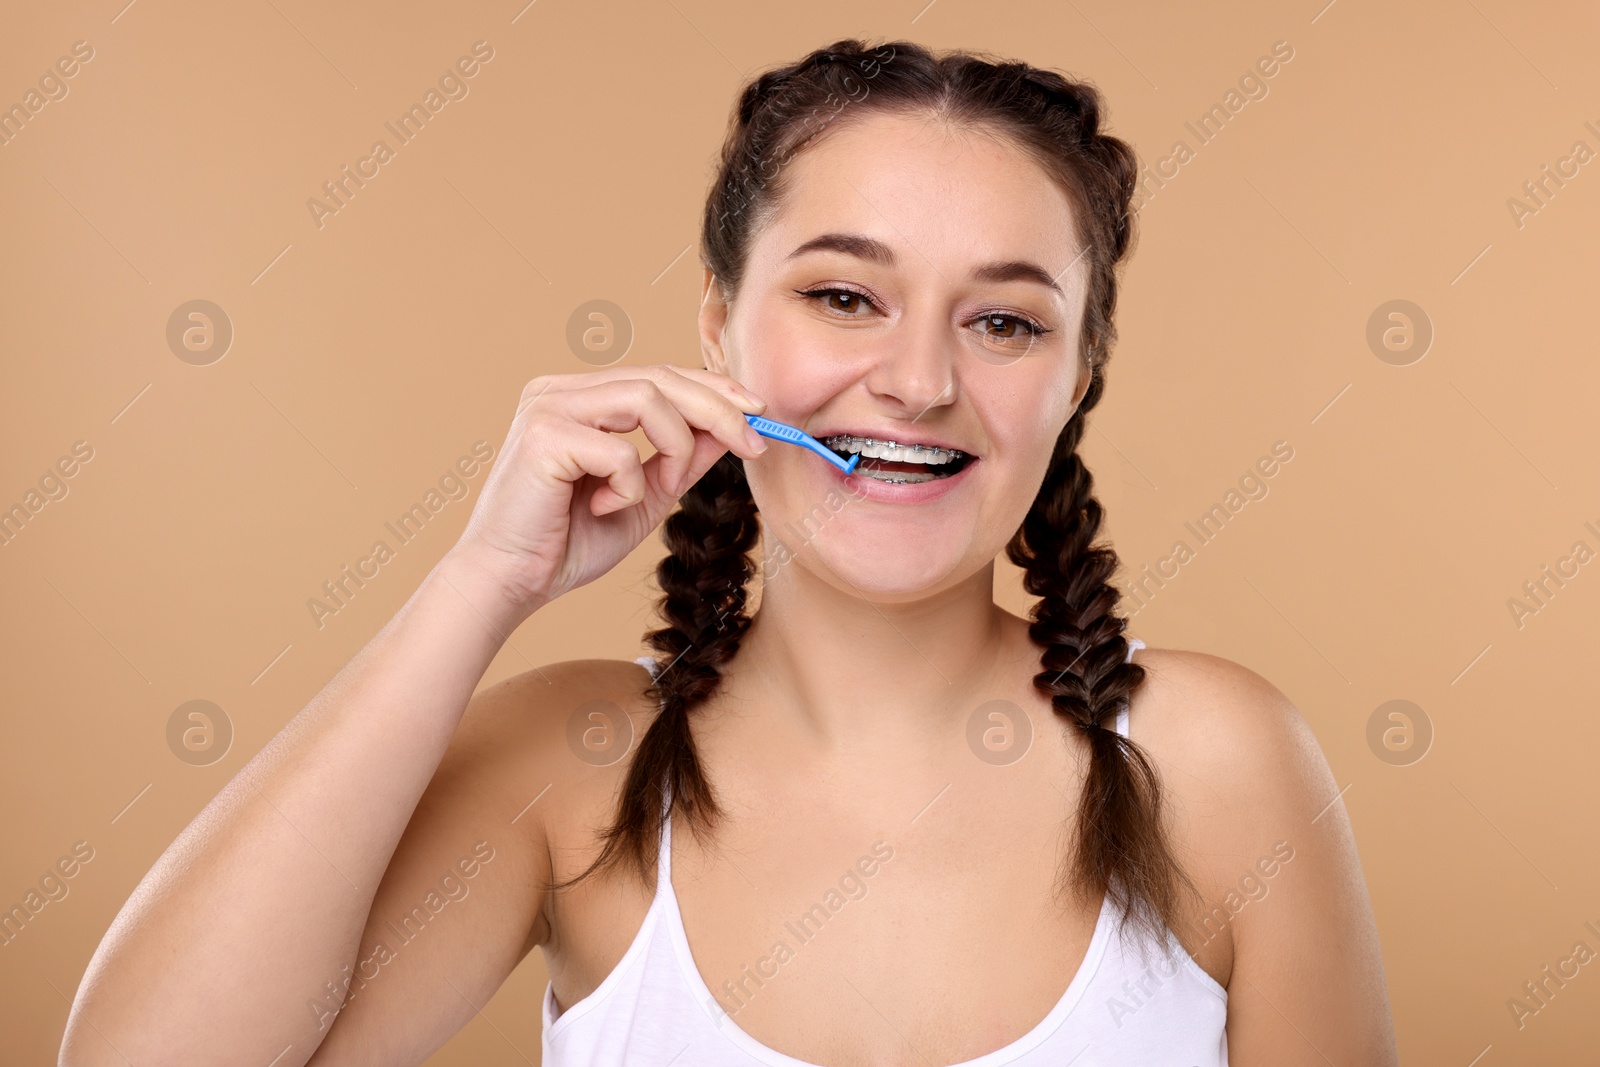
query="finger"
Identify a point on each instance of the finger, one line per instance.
(585, 450)
(703, 399)
(636, 403)
(736, 392)
(702, 407)
(708, 451)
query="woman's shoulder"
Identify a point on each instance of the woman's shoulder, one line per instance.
(585, 713)
(536, 706)
(1260, 823)
(542, 700)
(560, 734)
(1244, 782)
(1220, 711)
(1239, 763)
(1223, 728)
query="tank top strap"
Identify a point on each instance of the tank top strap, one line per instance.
(1134, 644)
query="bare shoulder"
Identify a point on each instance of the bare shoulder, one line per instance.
(1227, 736)
(557, 729)
(537, 696)
(562, 732)
(1257, 819)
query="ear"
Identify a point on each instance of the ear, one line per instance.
(713, 320)
(1085, 377)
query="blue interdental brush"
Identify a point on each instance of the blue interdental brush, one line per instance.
(779, 432)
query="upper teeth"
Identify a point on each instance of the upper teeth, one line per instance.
(892, 451)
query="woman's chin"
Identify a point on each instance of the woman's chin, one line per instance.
(864, 547)
(885, 577)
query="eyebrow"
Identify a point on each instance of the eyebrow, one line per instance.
(875, 251)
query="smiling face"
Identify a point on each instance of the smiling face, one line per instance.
(919, 284)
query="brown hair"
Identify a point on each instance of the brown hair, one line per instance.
(1120, 848)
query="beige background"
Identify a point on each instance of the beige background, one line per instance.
(371, 353)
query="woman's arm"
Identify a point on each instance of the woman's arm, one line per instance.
(463, 899)
(264, 897)
(1275, 852)
(266, 892)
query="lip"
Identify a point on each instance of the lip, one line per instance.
(862, 487)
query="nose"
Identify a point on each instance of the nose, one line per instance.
(915, 371)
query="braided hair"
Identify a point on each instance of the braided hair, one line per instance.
(1120, 848)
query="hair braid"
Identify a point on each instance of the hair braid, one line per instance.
(702, 579)
(1119, 846)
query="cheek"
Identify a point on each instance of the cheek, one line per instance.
(775, 361)
(776, 351)
(1024, 418)
(771, 476)
(1023, 433)
(1028, 470)
(1012, 493)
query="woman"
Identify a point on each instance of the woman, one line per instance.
(914, 818)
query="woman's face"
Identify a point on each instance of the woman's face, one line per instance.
(891, 297)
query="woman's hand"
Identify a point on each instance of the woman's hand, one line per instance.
(567, 499)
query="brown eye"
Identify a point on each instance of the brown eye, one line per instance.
(1009, 331)
(844, 302)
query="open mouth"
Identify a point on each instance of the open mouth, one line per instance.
(899, 464)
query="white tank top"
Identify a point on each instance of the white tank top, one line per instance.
(1127, 1004)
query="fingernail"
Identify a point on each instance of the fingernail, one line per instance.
(756, 441)
(752, 398)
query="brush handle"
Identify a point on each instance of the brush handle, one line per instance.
(768, 428)
(779, 431)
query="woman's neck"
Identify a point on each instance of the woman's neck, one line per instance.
(846, 669)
